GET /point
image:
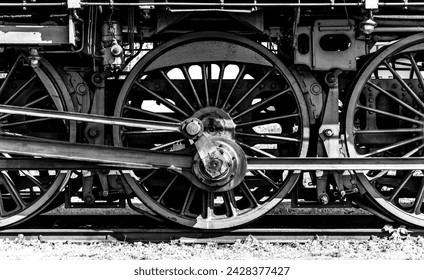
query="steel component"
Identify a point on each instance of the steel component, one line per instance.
(332, 44)
(43, 113)
(391, 117)
(192, 128)
(26, 192)
(329, 129)
(223, 171)
(94, 153)
(311, 89)
(257, 112)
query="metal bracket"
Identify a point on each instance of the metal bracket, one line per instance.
(311, 89)
(329, 130)
(371, 4)
(74, 4)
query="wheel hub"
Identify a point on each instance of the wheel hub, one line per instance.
(224, 172)
(216, 122)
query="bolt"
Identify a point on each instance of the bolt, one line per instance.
(328, 132)
(323, 199)
(370, 100)
(331, 79)
(192, 128)
(395, 86)
(105, 193)
(93, 132)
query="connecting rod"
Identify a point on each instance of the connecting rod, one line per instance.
(84, 156)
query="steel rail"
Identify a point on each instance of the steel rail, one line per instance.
(187, 235)
(133, 228)
(71, 116)
(193, 236)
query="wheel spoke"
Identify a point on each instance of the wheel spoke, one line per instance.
(180, 94)
(249, 195)
(262, 103)
(389, 114)
(28, 175)
(401, 186)
(152, 114)
(267, 137)
(236, 81)
(388, 131)
(251, 90)
(220, 79)
(230, 203)
(414, 151)
(267, 120)
(256, 150)
(416, 70)
(404, 84)
(397, 100)
(10, 74)
(28, 105)
(24, 122)
(192, 190)
(208, 204)
(163, 100)
(167, 188)
(205, 83)
(145, 178)
(267, 179)
(393, 146)
(19, 91)
(11, 188)
(190, 81)
(419, 199)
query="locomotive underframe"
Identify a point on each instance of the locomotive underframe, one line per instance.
(230, 162)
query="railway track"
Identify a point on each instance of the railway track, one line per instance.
(285, 228)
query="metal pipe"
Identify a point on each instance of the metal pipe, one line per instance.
(70, 116)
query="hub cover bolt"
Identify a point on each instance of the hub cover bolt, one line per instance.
(192, 128)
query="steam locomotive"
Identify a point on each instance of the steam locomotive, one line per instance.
(212, 113)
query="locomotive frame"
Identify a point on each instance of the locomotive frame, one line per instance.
(233, 107)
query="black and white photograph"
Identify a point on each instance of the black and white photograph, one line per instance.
(233, 139)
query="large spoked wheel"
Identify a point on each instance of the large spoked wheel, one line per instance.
(24, 193)
(249, 105)
(385, 118)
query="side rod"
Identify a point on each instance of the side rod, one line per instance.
(109, 157)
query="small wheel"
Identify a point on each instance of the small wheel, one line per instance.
(24, 193)
(248, 103)
(385, 118)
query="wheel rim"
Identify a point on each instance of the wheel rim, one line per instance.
(385, 118)
(24, 193)
(254, 102)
